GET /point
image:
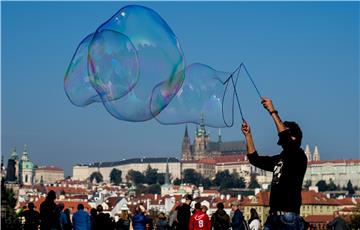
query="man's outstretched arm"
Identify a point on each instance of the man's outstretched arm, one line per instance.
(245, 128)
(268, 105)
(263, 162)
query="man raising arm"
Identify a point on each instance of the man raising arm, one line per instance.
(288, 169)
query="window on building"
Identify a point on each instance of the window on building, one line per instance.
(26, 178)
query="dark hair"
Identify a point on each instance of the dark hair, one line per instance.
(220, 206)
(294, 128)
(294, 131)
(99, 208)
(188, 197)
(80, 207)
(31, 205)
(198, 206)
(253, 214)
(93, 212)
(51, 195)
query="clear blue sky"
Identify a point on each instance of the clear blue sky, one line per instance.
(303, 55)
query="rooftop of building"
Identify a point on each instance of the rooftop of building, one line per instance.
(49, 168)
(144, 160)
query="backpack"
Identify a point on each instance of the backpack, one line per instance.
(219, 223)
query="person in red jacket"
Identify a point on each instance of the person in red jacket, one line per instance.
(199, 220)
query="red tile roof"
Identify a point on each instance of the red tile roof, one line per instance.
(319, 218)
(67, 190)
(334, 162)
(230, 158)
(315, 198)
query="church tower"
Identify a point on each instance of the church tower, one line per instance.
(201, 142)
(26, 169)
(308, 153)
(185, 149)
(316, 156)
(12, 171)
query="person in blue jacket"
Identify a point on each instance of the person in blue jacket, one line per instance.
(81, 219)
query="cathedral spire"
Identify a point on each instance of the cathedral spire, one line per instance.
(307, 152)
(316, 156)
(14, 155)
(186, 132)
(25, 156)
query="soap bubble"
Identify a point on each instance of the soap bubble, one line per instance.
(203, 93)
(113, 64)
(77, 83)
(160, 61)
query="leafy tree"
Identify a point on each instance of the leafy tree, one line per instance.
(136, 177)
(238, 181)
(97, 176)
(140, 189)
(225, 180)
(154, 189)
(350, 189)
(161, 178)
(191, 176)
(222, 178)
(307, 184)
(151, 175)
(206, 183)
(177, 181)
(331, 186)
(115, 176)
(321, 184)
(253, 182)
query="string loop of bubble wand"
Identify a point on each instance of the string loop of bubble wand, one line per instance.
(237, 70)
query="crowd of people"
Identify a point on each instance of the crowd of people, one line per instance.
(53, 216)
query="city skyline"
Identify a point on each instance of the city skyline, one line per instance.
(303, 55)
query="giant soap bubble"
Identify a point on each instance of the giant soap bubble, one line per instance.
(134, 65)
(77, 83)
(204, 92)
(127, 56)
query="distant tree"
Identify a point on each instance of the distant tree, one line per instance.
(154, 189)
(140, 189)
(331, 186)
(177, 181)
(136, 177)
(115, 176)
(307, 184)
(222, 178)
(225, 180)
(349, 188)
(191, 176)
(97, 176)
(206, 183)
(322, 186)
(151, 175)
(253, 182)
(238, 181)
(161, 178)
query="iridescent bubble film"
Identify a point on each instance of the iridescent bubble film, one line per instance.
(204, 93)
(128, 55)
(113, 64)
(77, 83)
(134, 65)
